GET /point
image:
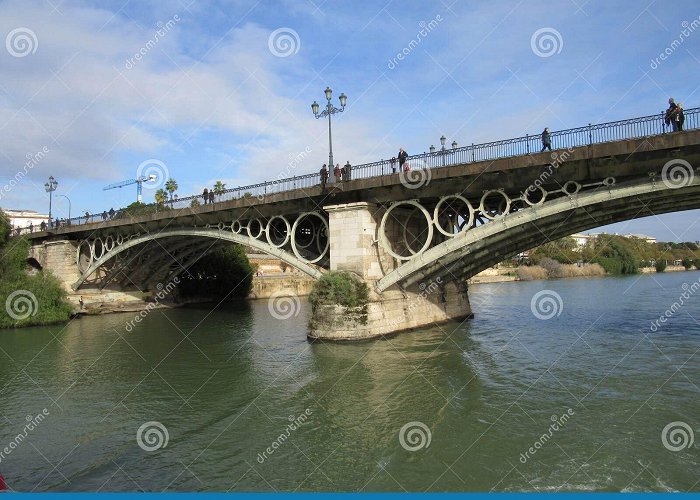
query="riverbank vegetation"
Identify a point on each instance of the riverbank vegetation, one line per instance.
(224, 274)
(27, 298)
(611, 254)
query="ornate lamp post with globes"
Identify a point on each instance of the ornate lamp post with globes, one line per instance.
(50, 188)
(330, 110)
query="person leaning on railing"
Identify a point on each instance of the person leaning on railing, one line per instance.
(679, 117)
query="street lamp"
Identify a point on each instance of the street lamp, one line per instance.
(432, 149)
(442, 149)
(330, 110)
(68, 203)
(50, 188)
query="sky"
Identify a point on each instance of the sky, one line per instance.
(221, 90)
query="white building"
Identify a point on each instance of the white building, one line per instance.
(22, 218)
(648, 239)
(582, 239)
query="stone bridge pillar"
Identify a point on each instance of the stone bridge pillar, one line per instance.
(354, 230)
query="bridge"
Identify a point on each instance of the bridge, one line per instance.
(415, 237)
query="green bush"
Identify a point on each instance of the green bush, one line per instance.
(687, 263)
(660, 266)
(339, 288)
(610, 264)
(35, 299)
(696, 263)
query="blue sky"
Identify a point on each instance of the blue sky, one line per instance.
(211, 100)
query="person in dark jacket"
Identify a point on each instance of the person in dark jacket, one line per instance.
(324, 176)
(211, 196)
(669, 117)
(679, 117)
(546, 140)
(403, 157)
(348, 171)
(205, 195)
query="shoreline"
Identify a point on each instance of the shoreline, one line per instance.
(509, 275)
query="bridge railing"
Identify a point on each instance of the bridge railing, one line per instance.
(633, 128)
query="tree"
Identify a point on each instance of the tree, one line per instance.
(219, 188)
(195, 203)
(660, 266)
(161, 196)
(171, 187)
(687, 263)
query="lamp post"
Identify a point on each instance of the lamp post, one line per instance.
(50, 188)
(68, 203)
(330, 110)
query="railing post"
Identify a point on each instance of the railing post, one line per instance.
(663, 122)
(527, 143)
(472, 152)
(590, 134)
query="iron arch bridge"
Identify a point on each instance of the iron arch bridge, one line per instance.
(456, 238)
(145, 258)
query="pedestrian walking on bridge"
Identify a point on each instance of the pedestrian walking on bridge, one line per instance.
(324, 176)
(546, 140)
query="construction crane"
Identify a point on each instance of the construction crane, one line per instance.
(139, 185)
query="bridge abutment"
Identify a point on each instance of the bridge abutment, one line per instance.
(354, 248)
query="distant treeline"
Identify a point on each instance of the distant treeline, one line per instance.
(617, 254)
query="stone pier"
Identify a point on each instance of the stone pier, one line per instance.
(353, 238)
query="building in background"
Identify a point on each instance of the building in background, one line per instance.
(22, 218)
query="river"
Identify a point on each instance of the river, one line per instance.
(573, 396)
